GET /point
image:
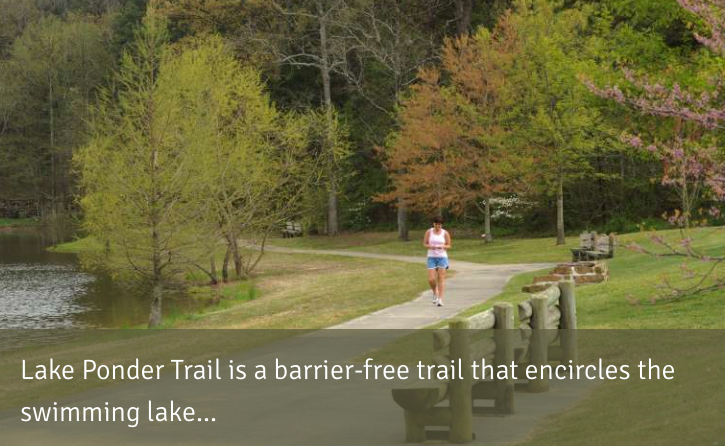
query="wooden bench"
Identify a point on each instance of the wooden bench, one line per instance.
(292, 229)
(593, 247)
(471, 339)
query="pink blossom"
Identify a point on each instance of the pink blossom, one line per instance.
(636, 248)
(617, 94)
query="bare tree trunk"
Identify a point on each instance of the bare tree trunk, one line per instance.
(686, 208)
(157, 278)
(225, 266)
(333, 227)
(464, 9)
(487, 221)
(332, 221)
(213, 273)
(402, 221)
(236, 256)
(156, 301)
(560, 238)
(51, 119)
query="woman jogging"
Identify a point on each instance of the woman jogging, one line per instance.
(438, 241)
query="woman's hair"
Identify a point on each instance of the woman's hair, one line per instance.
(438, 219)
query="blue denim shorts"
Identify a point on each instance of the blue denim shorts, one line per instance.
(437, 262)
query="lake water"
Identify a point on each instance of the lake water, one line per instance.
(40, 289)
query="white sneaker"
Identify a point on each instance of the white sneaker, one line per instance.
(439, 303)
(435, 299)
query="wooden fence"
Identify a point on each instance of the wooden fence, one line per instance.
(546, 332)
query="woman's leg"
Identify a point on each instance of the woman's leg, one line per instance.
(441, 282)
(432, 281)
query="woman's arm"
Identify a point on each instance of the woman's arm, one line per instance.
(448, 241)
(425, 239)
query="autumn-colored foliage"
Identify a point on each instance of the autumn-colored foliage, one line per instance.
(449, 151)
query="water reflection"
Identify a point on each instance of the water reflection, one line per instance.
(41, 296)
(40, 289)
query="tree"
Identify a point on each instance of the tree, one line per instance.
(552, 111)
(125, 21)
(188, 153)
(324, 48)
(55, 65)
(392, 40)
(685, 163)
(688, 161)
(450, 151)
(18, 163)
(374, 49)
(17, 14)
(139, 203)
(464, 9)
(250, 162)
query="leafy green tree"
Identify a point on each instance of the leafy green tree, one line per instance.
(19, 157)
(250, 162)
(324, 47)
(138, 200)
(188, 154)
(53, 68)
(553, 113)
(17, 14)
(643, 36)
(125, 21)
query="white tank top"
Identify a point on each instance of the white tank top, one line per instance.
(437, 240)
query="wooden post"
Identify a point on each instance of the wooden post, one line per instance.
(538, 347)
(568, 334)
(414, 430)
(567, 304)
(460, 386)
(503, 334)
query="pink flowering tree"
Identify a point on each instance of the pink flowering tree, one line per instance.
(690, 160)
(693, 170)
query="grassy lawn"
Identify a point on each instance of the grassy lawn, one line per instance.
(291, 286)
(75, 247)
(503, 250)
(18, 222)
(632, 412)
(297, 291)
(303, 291)
(625, 300)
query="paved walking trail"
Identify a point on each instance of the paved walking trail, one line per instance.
(472, 284)
(349, 412)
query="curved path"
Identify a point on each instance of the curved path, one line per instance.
(472, 284)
